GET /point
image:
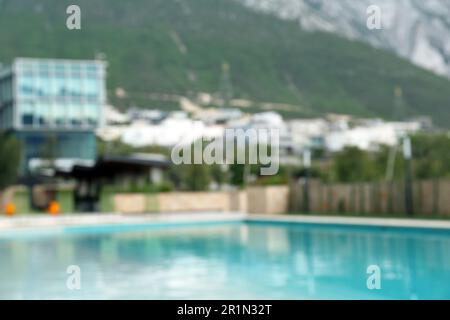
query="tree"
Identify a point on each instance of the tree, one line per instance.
(49, 151)
(382, 163)
(353, 165)
(9, 160)
(218, 174)
(431, 155)
(197, 177)
(237, 174)
(190, 176)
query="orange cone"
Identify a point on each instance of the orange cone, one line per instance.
(10, 209)
(53, 208)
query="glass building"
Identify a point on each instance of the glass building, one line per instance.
(61, 101)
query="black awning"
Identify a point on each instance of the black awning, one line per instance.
(110, 166)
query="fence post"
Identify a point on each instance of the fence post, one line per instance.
(407, 152)
(306, 165)
(436, 194)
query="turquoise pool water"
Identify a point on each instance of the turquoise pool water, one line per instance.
(253, 260)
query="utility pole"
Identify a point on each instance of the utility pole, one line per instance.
(397, 115)
(407, 153)
(306, 166)
(226, 88)
(399, 112)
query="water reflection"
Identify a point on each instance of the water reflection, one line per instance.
(229, 261)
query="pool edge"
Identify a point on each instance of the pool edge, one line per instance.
(353, 221)
(33, 226)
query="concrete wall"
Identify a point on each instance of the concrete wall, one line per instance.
(194, 201)
(129, 203)
(261, 200)
(238, 201)
(174, 202)
(268, 200)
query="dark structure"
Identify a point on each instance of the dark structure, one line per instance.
(112, 170)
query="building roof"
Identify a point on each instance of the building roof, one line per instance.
(111, 166)
(91, 61)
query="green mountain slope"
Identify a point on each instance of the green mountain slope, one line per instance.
(178, 46)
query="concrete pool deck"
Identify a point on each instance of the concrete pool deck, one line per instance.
(356, 221)
(48, 222)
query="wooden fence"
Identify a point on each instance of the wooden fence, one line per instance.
(429, 198)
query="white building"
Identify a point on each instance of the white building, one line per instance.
(219, 116)
(306, 133)
(168, 133)
(369, 136)
(152, 127)
(175, 129)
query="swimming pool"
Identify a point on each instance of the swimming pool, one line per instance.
(227, 260)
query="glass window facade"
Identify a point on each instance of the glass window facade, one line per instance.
(6, 102)
(63, 99)
(59, 94)
(68, 145)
